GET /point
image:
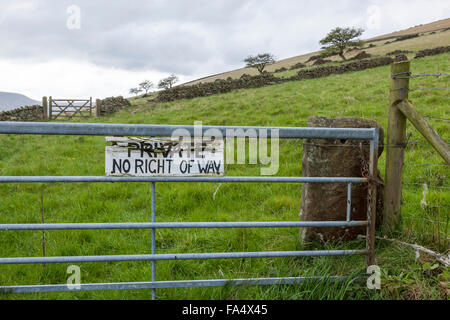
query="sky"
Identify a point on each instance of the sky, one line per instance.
(102, 48)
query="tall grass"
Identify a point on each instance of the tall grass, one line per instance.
(358, 94)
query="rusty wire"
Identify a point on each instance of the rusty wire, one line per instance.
(409, 75)
(429, 185)
(427, 164)
(438, 119)
(402, 145)
(420, 89)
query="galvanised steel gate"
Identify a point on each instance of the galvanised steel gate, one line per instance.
(371, 134)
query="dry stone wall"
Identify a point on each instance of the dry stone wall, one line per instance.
(325, 71)
(431, 52)
(282, 69)
(27, 113)
(246, 81)
(397, 52)
(111, 105)
(361, 55)
(218, 86)
(297, 66)
(320, 61)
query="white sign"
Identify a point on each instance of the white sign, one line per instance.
(143, 157)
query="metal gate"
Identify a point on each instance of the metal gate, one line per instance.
(371, 134)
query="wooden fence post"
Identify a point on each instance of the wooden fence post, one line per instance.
(50, 108)
(396, 135)
(45, 108)
(98, 105)
(90, 107)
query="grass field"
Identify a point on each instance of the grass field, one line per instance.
(358, 94)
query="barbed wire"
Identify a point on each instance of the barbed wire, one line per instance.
(427, 164)
(436, 206)
(424, 89)
(403, 145)
(409, 75)
(424, 219)
(420, 89)
(433, 234)
(437, 75)
(438, 119)
(439, 228)
(433, 217)
(428, 184)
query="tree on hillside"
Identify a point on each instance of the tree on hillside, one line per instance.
(168, 82)
(338, 39)
(259, 61)
(146, 85)
(135, 91)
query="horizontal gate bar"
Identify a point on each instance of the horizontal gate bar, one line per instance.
(181, 256)
(103, 129)
(86, 100)
(19, 179)
(175, 225)
(167, 284)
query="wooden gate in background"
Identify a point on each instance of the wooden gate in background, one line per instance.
(66, 109)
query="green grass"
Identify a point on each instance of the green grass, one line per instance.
(358, 94)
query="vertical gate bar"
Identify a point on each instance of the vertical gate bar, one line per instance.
(153, 238)
(90, 107)
(97, 108)
(44, 108)
(349, 200)
(372, 199)
(50, 107)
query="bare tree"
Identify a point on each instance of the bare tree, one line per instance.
(135, 91)
(168, 82)
(338, 39)
(146, 85)
(259, 61)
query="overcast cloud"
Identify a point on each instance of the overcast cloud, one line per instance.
(120, 42)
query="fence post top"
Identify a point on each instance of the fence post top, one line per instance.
(401, 62)
(400, 65)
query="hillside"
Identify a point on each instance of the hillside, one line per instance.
(362, 94)
(9, 101)
(354, 94)
(429, 38)
(422, 28)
